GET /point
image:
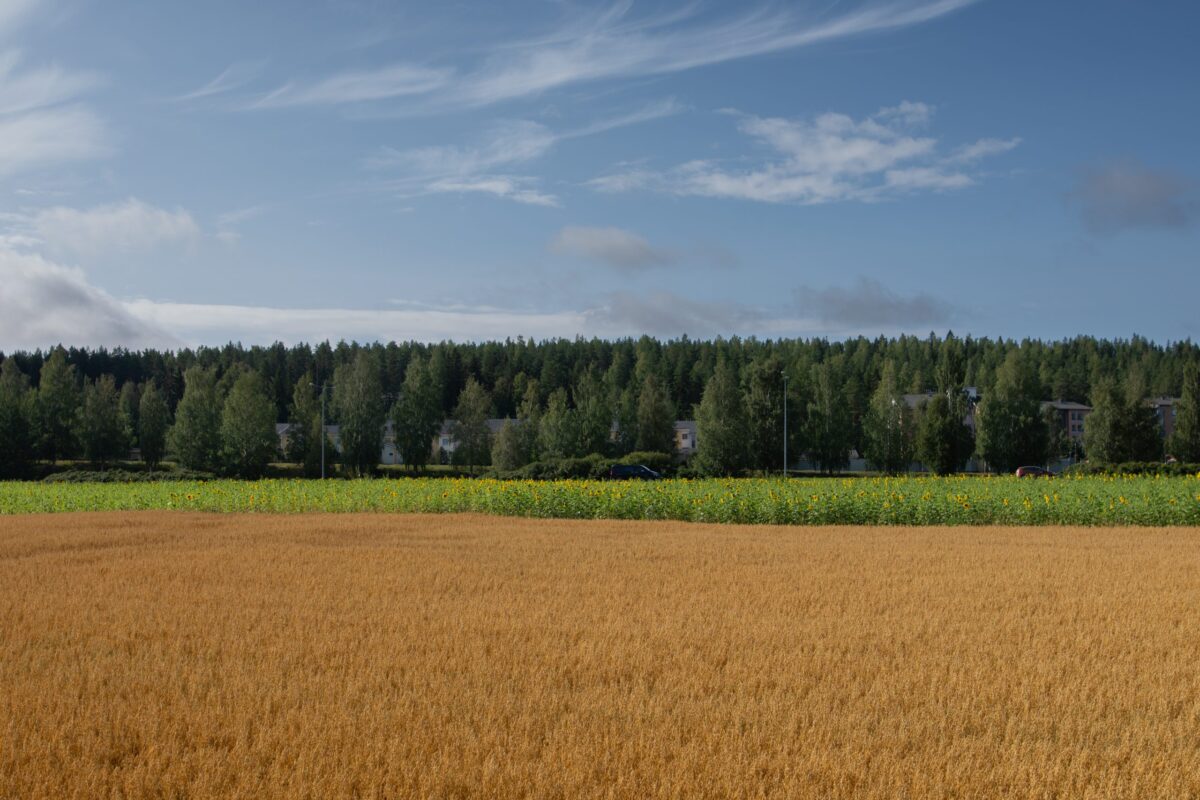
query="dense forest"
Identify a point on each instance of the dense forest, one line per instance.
(215, 409)
(1065, 370)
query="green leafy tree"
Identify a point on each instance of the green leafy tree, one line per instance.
(1185, 441)
(473, 438)
(195, 438)
(304, 408)
(131, 396)
(558, 431)
(248, 439)
(103, 428)
(1120, 427)
(722, 428)
(1012, 431)
(944, 441)
(417, 415)
(529, 414)
(593, 415)
(16, 420)
(57, 406)
(154, 420)
(888, 428)
(764, 411)
(359, 407)
(509, 446)
(655, 417)
(828, 427)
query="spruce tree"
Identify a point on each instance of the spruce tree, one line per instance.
(16, 421)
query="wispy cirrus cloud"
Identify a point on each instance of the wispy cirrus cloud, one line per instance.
(612, 43)
(41, 120)
(233, 77)
(830, 158)
(486, 166)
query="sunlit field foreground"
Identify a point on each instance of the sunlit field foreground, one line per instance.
(1130, 500)
(457, 656)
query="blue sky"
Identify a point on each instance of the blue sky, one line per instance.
(187, 173)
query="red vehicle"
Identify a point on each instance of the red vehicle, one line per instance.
(1034, 472)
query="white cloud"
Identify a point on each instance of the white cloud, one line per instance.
(506, 186)
(125, 227)
(610, 44)
(13, 12)
(451, 168)
(612, 246)
(830, 158)
(40, 122)
(44, 303)
(230, 78)
(983, 148)
(397, 80)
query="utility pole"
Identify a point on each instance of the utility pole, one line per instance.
(785, 427)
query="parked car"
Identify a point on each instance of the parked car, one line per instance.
(632, 472)
(1034, 472)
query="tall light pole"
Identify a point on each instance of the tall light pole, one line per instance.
(322, 387)
(785, 428)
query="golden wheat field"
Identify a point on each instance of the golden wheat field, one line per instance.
(323, 656)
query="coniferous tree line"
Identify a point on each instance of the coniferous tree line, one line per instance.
(215, 409)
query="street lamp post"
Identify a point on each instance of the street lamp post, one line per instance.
(785, 427)
(323, 387)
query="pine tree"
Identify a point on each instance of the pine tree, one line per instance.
(473, 438)
(195, 438)
(248, 438)
(417, 415)
(154, 420)
(722, 429)
(16, 420)
(57, 406)
(888, 427)
(102, 426)
(358, 405)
